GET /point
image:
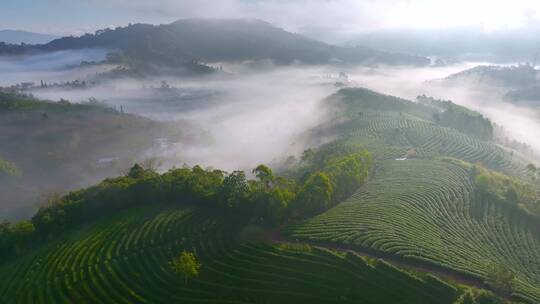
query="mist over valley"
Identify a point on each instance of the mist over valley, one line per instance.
(258, 154)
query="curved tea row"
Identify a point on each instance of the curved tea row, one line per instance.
(125, 259)
(391, 135)
(427, 210)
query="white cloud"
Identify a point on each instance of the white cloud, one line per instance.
(347, 15)
(315, 17)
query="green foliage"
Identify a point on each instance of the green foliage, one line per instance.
(487, 297)
(389, 127)
(23, 232)
(186, 265)
(467, 298)
(264, 174)
(125, 258)
(460, 118)
(533, 172)
(501, 278)
(329, 175)
(7, 240)
(359, 100)
(430, 211)
(270, 206)
(299, 247)
(235, 190)
(482, 182)
(336, 172)
(510, 190)
(314, 196)
(347, 172)
(15, 238)
(57, 216)
(10, 102)
(8, 170)
(477, 296)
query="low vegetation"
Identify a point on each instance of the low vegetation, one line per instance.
(426, 193)
(450, 115)
(126, 258)
(389, 127)
(432, 211)
(8, 170)
(506, 189)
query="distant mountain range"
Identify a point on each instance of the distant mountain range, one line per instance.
(520, 82)
(189, 42)
(511, 77)
(17, 37)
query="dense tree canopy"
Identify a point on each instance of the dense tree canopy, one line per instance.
(317, 182)
(186, 265)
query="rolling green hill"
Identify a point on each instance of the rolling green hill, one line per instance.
(125, 259)
(390, 127)
(419, 206)
(188, 43)
(428, 210)
(422, 194)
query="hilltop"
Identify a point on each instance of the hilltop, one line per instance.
(191, 43)
(508, 77)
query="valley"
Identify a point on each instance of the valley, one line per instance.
(234, 160)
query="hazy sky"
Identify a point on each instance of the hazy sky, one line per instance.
(79, 16)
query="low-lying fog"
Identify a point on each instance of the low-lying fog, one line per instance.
(254, 115)
(519, 122)
(54, 67)
(246, 114)
(257, 113)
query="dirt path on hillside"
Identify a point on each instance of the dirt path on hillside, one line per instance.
(276, 237)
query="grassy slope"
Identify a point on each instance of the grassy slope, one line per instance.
(391, 126)
(426, 208)
(429, 213)
(124, 259)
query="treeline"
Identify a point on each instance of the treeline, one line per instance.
(8, 170)
(13, 101)
(507, 190)
(316, 182)
(460, 118)
(12, 49)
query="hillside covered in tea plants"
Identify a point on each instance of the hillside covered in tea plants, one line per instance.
(410, 202)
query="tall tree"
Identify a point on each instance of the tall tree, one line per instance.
(187, 265)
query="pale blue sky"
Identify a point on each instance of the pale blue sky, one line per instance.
(79, 16)
(68, 16)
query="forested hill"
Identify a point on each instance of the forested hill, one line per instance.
(201, 40)
(61, 145)
(509, 77)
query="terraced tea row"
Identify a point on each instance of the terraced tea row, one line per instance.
(427, 210)
(89, 264)
(392, 135)
(125, 259)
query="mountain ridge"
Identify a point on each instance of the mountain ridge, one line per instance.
(187, 41)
